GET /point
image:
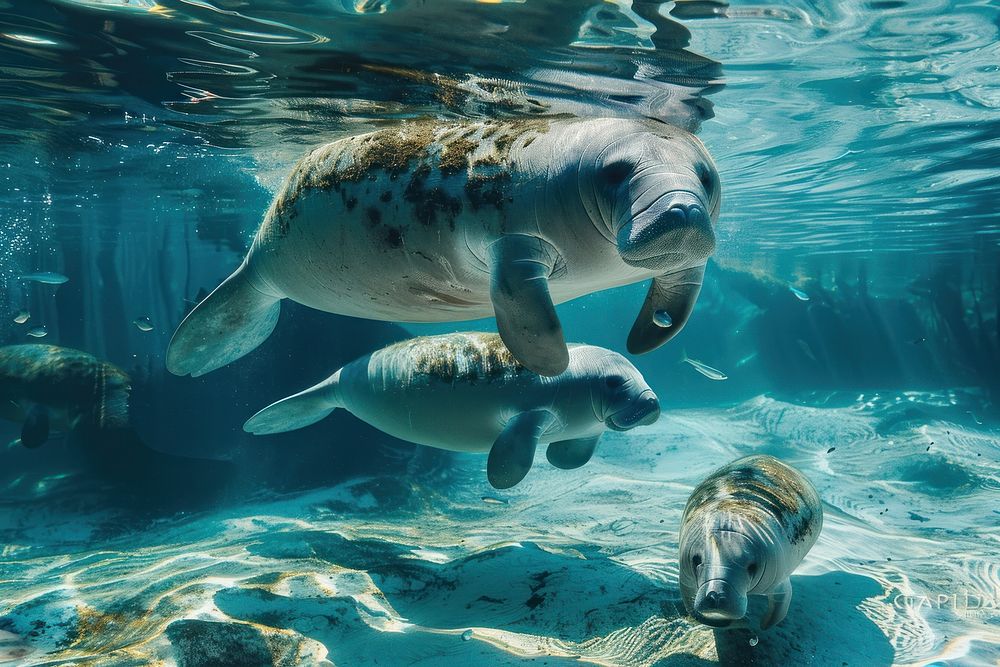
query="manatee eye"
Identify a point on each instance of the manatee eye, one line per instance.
(696, 560)
(615, 173)
(752, 569)
(705, 176)
(614, 381)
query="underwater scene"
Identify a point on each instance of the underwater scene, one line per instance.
(499, 332)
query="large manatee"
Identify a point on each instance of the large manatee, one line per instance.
(433, 221)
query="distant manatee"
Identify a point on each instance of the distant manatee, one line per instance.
(435, 221)
(47, 387)
(465, 392)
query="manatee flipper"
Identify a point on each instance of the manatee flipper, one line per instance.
(514, 450)
(777, 604)
(671, 298)
(233, 320)
(35, 430)
(569, 454)
(519, 289)
(299, 410)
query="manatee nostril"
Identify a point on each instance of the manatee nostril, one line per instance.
(686, 214)
(714, 599)
(677, 215)
(696, 216)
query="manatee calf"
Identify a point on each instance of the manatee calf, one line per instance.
(45, 386)
(743, 532)
(434, 221)
(466, 392)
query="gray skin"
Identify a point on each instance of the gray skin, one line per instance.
(465, 392)
(744, 530)
(435, 221)
(46, 388)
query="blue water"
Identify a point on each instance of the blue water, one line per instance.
(853, 302)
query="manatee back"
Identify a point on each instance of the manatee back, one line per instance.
(65, 378)
(380, 225)
(764, 487)
(428, 168)
(471, 358)
(454, 392)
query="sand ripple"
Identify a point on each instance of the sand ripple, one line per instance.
(576, 566)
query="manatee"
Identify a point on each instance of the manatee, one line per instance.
(435, 221)
(743, 531)
(46, 387)
(466, 392)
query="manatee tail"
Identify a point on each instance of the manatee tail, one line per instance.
(233, 320)
(298, 411)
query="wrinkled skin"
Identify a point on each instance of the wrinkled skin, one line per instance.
(744, 530)
(530, 214)
(465, 392)
(724, 566)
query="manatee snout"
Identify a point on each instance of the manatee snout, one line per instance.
(718, 600)
(718, 569)
(675, 230)
(641, 411)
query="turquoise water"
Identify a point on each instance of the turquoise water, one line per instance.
(852, 302)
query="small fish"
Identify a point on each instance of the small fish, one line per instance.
(918, 341)
(806, 350)
(22, 317)
(39, 332)
(143, 323)
(743, 362)
(490, 500)
(662, 319)
(45, 277)
(830, 451)
(707, 371)
(799, 294)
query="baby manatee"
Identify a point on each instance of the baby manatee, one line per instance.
(465, 392)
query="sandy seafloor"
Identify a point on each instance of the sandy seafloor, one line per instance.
(570, 566)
